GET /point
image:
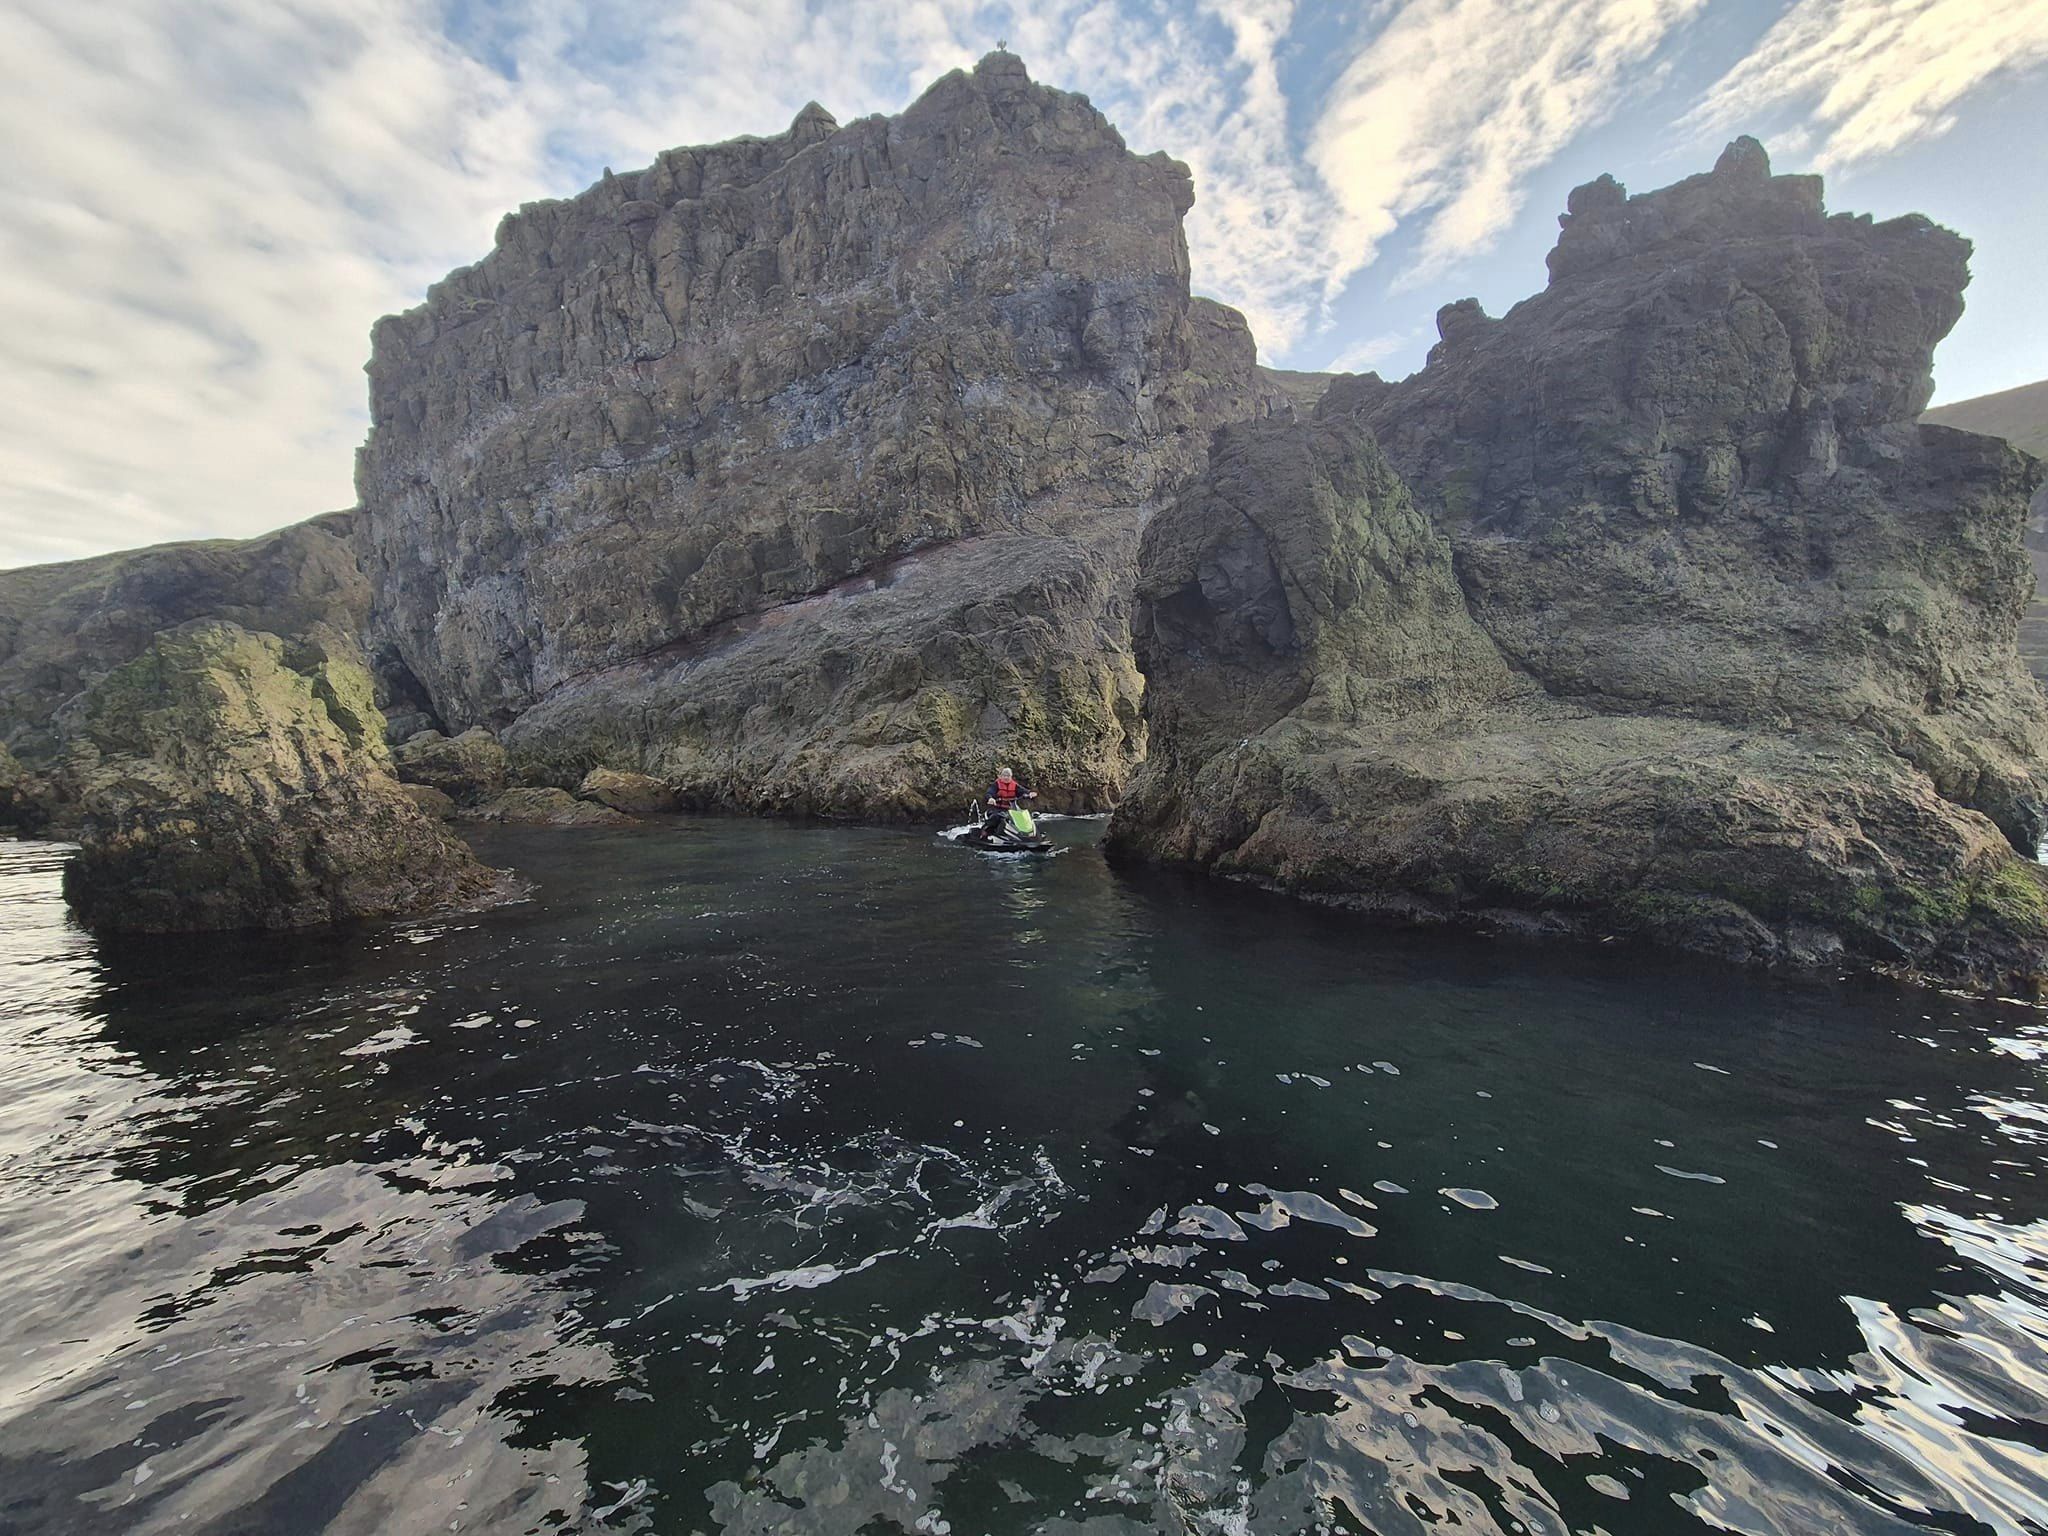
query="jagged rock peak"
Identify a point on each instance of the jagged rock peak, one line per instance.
(1602, 223)
(812, 124)
(998, 93)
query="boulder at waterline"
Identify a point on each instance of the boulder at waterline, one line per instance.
(228, 780)
(470, 769)
(544, 807)
(632, 794)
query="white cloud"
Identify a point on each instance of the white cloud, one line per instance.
(1873, 75)
(205, 206)
(1367, 353)
(1447, 110)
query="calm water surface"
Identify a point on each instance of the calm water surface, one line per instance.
(753, 1178)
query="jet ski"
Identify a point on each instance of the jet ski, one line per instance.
(1011, 831)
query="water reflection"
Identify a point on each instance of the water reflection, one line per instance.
(754, 1178)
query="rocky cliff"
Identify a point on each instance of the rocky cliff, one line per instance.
(2020, 416)
(1646, 608)
(228, 780)
(806, 472)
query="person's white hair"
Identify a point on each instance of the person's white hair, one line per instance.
(1002, 773)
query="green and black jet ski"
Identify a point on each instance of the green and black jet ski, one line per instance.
(1011, 831)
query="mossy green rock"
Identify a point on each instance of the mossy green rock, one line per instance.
(65, 625)
(228, 781)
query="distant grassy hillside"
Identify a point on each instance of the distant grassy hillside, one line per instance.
(2020, 416)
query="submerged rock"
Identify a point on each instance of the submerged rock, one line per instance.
(805, 472)
(230, 781)
(1646, 608)
(545, 807)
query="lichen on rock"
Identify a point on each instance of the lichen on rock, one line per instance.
(229, 780)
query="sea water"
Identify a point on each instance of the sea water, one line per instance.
(761, 1178)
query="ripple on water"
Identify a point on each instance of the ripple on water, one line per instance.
(830, 1213)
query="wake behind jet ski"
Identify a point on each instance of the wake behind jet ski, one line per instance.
(1007, 827)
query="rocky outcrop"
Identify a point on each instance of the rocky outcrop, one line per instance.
(883, 694)
(64, 626)
(1647, 608)
(469, 769)
(630, 794)
(545, 807)
(828, 448)
(2020, 416)
(24, 799)
(230, 781)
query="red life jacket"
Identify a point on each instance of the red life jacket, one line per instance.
(1006, 793)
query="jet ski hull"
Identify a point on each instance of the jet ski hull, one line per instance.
(987, 844)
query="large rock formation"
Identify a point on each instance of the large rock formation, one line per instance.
(230, 781)
(797, 466)
(2020, 416)
(1647, 608)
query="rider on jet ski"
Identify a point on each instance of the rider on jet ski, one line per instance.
(1002, 796)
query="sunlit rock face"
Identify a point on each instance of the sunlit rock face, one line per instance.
(1646, 608)
(66, 625)
(627, 472)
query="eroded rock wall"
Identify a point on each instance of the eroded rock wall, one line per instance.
(1646, 608)
(727, 396)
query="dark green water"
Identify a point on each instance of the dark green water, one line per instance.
(754, 1178)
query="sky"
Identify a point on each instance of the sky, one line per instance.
(204, 205)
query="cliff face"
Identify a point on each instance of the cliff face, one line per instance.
(1646, 608)
(230, 781)
(2020, 416)
(629, 474)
